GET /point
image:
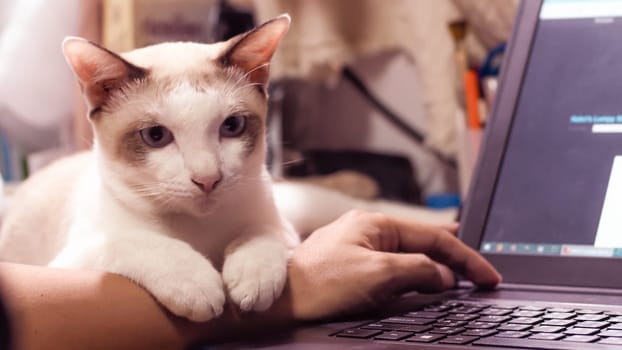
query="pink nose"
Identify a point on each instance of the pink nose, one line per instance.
(207, 184)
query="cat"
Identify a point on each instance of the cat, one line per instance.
(175, 194)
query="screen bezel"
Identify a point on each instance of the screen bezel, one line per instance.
(523, 269)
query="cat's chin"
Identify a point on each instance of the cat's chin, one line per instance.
(202, 206)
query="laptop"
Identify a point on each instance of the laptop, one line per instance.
(545, 205)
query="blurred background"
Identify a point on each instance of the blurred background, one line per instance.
(372, 98)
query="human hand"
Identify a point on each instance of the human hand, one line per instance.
(363, 259)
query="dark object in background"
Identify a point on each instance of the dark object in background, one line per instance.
(394, 118)
(393, 174)
(5, 330)
(232, 21)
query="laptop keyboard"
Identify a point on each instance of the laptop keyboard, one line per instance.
(462, 322)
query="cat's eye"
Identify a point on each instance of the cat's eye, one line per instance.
(233, 126)
(156, 136)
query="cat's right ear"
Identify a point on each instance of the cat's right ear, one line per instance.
(253, 50)
(98, 70)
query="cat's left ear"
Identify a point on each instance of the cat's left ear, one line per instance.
(252, 51)
(99, 71)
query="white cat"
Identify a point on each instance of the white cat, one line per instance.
(175, 189)
(175, 194)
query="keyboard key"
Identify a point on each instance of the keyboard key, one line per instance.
(426, 314)
(437, 308)
(447, 330)
(382, 326)
(615, 326)
(581, 331)
(591, 317)
(588, 311)
(407, 320)
(581, 338)
(513, 327)
(479, 332)
(414, 328)
(461, 317)
(547, 329)
(592, 324)
(425, 338)
(481, 325)
(504, 306)
(449, 323)
(612, 341)
(493, 318)
(527, 343)
(560, 309)
(526, 320)
(558, 315)
(495, 312)
(466, 310)
(457, 339)
(393, 335)
(546, 336)
(611, 333)
(563, 323)
(452, 303)
(475, 304)
(531, 308)
(396, 327)
(527, 313)
(616, 319)
(358, 333)
(512, 334)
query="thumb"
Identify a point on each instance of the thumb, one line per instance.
(417, 272)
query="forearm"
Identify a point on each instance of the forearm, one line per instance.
(79, 309)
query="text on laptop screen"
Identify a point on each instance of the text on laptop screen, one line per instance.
(559, 190)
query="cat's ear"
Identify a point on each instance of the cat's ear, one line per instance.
(99, 71)
(252, 51)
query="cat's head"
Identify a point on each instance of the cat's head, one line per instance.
(178, 125)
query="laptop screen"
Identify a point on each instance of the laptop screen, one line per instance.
(559, 189)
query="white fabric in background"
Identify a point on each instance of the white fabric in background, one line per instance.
(36, 89)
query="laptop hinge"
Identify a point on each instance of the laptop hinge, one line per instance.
(548, 288)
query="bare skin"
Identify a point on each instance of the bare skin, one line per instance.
(79, 309)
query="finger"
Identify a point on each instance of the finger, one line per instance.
(451, 227)
(445, 248)
(415, 272)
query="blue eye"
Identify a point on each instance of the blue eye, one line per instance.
(156, 136)
(233, 126)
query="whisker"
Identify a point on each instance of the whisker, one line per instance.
(247, 74)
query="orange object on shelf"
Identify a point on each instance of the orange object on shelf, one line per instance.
(471, 95)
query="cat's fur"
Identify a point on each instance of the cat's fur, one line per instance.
(194, 220)
(191, 221)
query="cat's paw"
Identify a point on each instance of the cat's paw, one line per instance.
(193, 292)
(255, 273)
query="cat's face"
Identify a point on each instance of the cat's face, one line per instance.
(179, 126)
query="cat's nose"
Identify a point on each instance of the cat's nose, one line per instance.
(207, 183)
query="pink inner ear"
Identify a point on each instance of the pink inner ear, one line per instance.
(256, 49)
(92, 64)
(97, 69)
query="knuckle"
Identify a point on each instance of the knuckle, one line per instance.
(388, 266)
(385, 262)
(356, 213)
(422, 261)
(377, 219)
(442, 238)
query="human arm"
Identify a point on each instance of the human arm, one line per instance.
(62, 309)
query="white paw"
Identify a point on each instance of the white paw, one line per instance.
(255, 274)
(193, 292)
